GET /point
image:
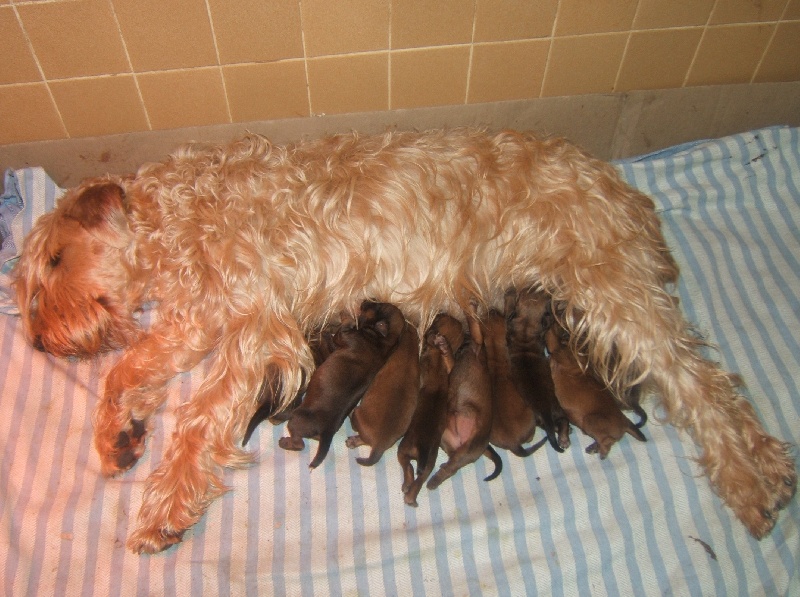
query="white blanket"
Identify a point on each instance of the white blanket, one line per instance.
(642, 522)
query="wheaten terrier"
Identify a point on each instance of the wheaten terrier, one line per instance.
(244, 249)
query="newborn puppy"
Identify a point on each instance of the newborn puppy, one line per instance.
(530, 371)
(339, 383)
(513, 420)
(386, 410)
(469, 407)
(424, 434)
(588, 402)
(322, 344)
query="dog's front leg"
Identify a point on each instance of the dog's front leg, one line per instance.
(135, 387)
(188, 479)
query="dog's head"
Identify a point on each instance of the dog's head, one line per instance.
(70, 281)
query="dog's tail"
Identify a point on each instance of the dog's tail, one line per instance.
(492, 455)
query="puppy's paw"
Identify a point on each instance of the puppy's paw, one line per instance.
(354, 441)
(295, 444)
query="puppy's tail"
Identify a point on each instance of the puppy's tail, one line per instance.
(322, 450)
(642, 416)
(374, 456)
(262, 413)
(524, 452)
(492, 455)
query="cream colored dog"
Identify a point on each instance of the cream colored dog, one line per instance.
(246, 248)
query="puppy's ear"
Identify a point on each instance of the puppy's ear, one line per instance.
(100, 210)
(510, 304)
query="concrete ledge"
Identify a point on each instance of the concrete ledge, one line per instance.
(608, 125)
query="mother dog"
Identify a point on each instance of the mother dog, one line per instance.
(246, 248)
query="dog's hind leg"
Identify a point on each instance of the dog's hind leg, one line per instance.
(752, 472)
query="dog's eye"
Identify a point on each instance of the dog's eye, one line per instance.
(55, 260)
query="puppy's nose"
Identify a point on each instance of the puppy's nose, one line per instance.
(37, 343)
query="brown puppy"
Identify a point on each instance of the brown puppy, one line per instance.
(469, 407)
(513, 421)
(322, 344)
(340, 381)
(589, 403)
(388, 405)
(530, 371)
(424, 434)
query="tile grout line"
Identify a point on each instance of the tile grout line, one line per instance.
(305, 57)
(550, 50)
(625, 49)
(219, 63)
(471, 51)
(699, 45)
(130, 65)
(389, 60)
(769, 43)
(41, 70)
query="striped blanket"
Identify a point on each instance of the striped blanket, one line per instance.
(642, 522)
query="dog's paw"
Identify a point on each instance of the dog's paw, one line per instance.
(779, 471)
(121, 450)
(151, 541)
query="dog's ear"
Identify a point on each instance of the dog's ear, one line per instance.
(100, 210)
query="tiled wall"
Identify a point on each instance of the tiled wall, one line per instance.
(75, 68)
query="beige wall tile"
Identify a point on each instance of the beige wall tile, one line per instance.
(782, 60)
(508, 70)
(658, 59)
(576, 17)
(654, 14)
(17, 65)
(343, 84)
(729, 54)
(267, 91)
(164, 35)
(793, 10)
(176, 99)
(345, 26)
(256, 30)
(583, 64)
(27, 113)
(746, 11)
(430, 77)
(419, 23)
(74, 39)
(501, 20)
(99, 106)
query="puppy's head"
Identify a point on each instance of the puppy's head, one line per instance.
(449, 327)
(385, 319)
(525, 311)
(70, 281)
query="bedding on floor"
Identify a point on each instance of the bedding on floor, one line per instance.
(642, 522)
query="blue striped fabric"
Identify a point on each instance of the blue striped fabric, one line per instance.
(552, 524)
